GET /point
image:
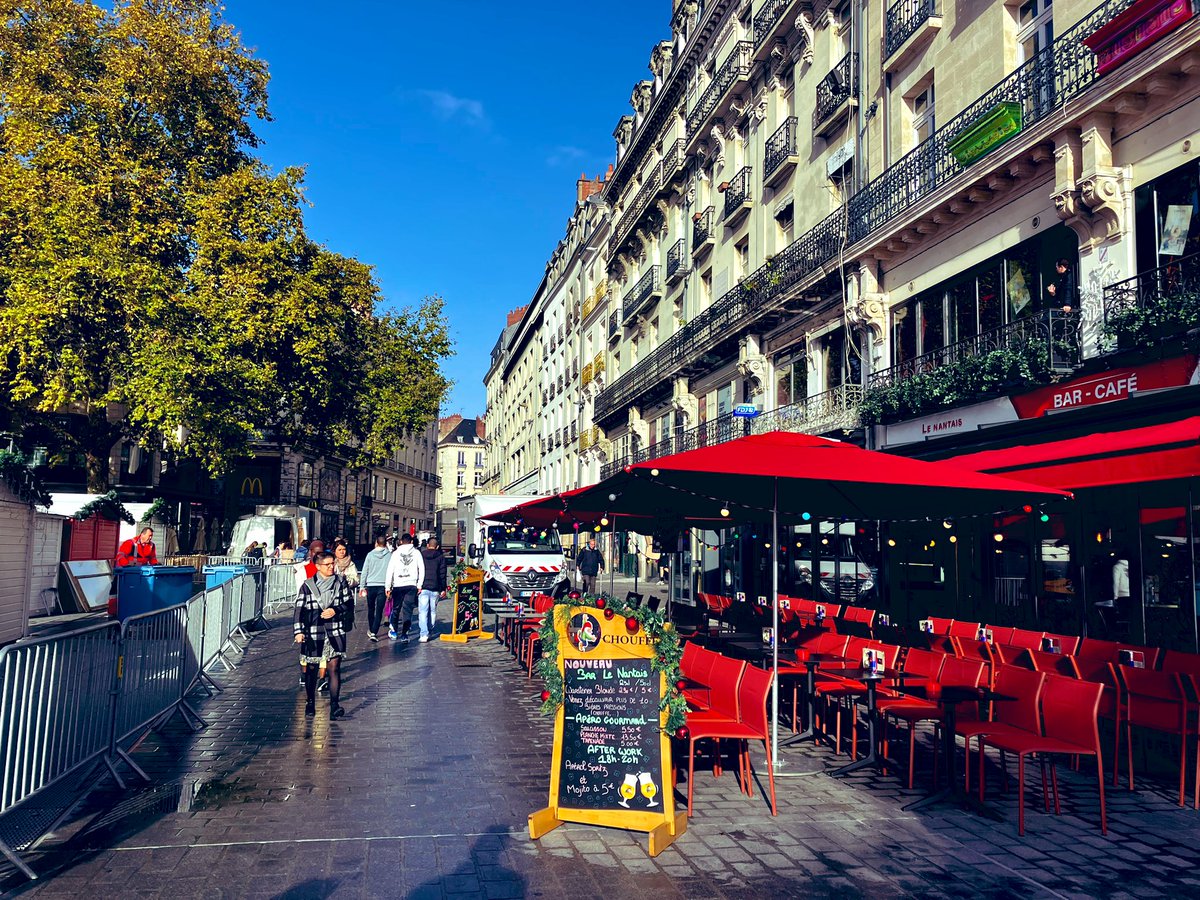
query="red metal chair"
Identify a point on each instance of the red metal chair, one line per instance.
(751, 724)
(1068, 644)
(1156, 700)
(1051, 663)
(697, 669)
(941, 626)
(1071, 711)
(1023, 637)
(978, 651)
(1001, 634)
(1019, 715)
(542, 604)
(966, 630)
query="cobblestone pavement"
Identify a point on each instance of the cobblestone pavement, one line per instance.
(424, 788)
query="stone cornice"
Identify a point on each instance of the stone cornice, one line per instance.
(667, 99)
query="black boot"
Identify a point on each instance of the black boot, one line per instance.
(310, 690)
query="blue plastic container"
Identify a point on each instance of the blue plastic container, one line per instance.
(215, 576)
(143, 589)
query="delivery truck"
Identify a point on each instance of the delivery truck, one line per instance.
(518, 560)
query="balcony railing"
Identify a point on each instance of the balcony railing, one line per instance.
(672, 163)
(1155, 305)
(735, 308)
(587, 375)
(675, 258)
(598, 364)
(766, 18)
(1054, 331)
(633, 213)
(780, 146)
(648, 287)
(614, 323)
(832, 410)
(1040, 86)
(702, 229)
(836, 88)
(738, 192)
(903, 19)
(736, 65)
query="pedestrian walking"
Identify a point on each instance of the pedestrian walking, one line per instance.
(321, 605)
(138, 551)
(373, 585)
(590, 563)
(433, 588)
(308, 569)
(405, 574)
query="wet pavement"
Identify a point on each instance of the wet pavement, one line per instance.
(424, 788)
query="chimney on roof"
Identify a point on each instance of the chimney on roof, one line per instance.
(585, 186)
(517, 314)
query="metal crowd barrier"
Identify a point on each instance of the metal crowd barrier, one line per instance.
(281, 588)
(72, 702)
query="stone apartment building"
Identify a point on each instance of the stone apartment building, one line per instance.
(462, 467)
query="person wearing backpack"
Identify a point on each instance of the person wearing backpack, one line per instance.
(373, 584)
(405, 574)
(433, 588)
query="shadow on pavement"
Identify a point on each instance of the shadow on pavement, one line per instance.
(482, 872)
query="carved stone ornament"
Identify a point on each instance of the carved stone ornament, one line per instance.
(689, 199)
(718, 135)
(684, 402)
(760, 111)
(1101, 193)
(869, 311)
(752, 363)
(660, 59)
(804, 25)
(643, 93)
(639, 427)
(624, 130)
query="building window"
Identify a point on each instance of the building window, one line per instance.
(742, 257)
(462, 480)
(479, 460)
(478, 479)
(791, 379)
(1035, 28)
(307, 482)
(923, 123)
(462, 457)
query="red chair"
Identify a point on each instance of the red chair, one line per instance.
(966, 630)
(754, 686)
(1022, 637)
(1051, 663)
(724, 677)
(1156, 700)
(836, 689)
(697, 669)
(1020, 715)
(1068, 644)
(941, 626)
(542, 604)
(979, 651)
(1071, 709)
(1001, 634)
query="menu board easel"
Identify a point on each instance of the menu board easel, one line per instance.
(612, 755)
(467, 621)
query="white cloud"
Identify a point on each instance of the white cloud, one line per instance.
(564, 154)
(451, 108)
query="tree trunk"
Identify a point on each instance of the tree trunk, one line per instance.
(97, 473)
(97, 436)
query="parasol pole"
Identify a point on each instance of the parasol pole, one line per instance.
(775, 626)
(612, 570)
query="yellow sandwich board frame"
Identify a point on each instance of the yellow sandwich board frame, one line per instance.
(468, 595)
(612, 644)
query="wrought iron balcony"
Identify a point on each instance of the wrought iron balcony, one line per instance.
(735, 309)
(587, 375)
(737, 195)
(1040, 87)
(614, 324)
(702, 231)
(633, 212)
(649, 287)
(675, 259)
(1153, 306)
(767, 18)
(835, 89)
(672, 164)
(832, 410)
(735, 68)
(904, 18)
(1053, 331)
(780, 149)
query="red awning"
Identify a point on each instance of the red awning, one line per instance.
(1152, 453)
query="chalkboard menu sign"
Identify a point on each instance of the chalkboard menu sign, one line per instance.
(467, 621)
(611, 757)
(610, 750)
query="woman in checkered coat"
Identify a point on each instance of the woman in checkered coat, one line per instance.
(321, 604)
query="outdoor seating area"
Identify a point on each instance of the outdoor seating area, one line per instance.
(1004, 691)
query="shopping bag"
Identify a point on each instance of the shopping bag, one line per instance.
(387, 610)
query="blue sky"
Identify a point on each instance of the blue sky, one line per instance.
(443, 140)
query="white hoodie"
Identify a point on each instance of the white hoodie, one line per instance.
(406, 568)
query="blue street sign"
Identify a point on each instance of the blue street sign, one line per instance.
(745, 411)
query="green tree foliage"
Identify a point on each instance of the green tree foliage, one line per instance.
(157, 278)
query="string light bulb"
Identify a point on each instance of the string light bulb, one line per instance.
(603, 521)
(1045, 517)
(725, 512)
(946, 524)
(805, 516)
(997, 537)
(654, 472)
(891, 542)
(953, 539)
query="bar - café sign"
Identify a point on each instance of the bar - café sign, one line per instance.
(1090, 390)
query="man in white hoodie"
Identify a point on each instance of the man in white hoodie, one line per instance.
(373, 584)
(406, 572)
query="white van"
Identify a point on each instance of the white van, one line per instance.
(518, 561)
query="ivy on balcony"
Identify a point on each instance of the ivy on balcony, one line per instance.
(1153, 306)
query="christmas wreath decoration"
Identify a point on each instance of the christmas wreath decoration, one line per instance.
(668, 652)
(106, 506)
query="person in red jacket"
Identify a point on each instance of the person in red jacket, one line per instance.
(138, 551)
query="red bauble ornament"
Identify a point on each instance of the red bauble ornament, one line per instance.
(608, 614)
(682, 733)
(632, 624)
(681, 684)
(574, 595)
(601, 603)
(545, 696)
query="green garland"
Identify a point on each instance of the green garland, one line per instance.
(668, 653)
(161, 510)
(22, 480)
(456, 573)
(106, 506)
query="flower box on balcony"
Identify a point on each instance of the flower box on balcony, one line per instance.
(991, 130)
(1131, 32)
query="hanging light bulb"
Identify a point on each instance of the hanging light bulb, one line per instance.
(891, 542)
(997, 537)
(768, 546)
(805, 516)
(654, 472)
(953, 539)
(603, 521)
(946, 524)
(725, 512)
(1045, 517)
(932, 543)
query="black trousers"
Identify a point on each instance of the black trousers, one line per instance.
(376, 600)
(404, 601)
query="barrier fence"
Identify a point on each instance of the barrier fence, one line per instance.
(73, 702)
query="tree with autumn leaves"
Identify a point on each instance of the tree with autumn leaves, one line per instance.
(157, 279)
